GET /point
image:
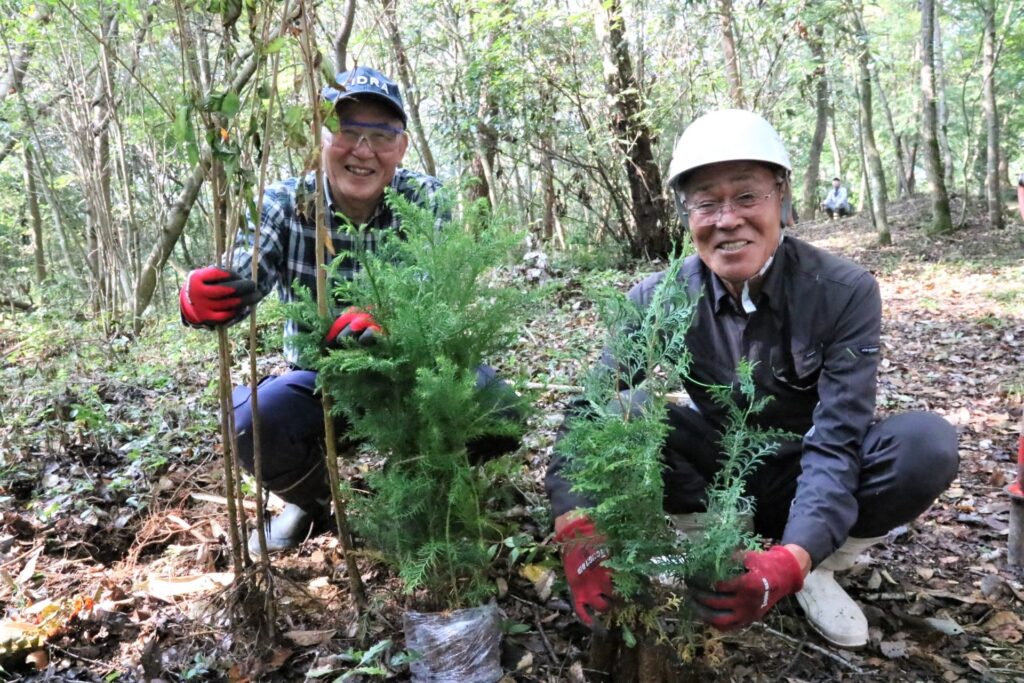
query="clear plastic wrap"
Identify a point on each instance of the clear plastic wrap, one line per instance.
(460, 646)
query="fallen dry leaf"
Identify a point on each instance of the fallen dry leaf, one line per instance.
(308, 638)
(894, 649)
(167, 588)
(39, 659)
(1002, 618)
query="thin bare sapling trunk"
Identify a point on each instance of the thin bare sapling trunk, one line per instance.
(309, 56)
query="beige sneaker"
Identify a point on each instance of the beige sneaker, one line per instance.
(830, 611)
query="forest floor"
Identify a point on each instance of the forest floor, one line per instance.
(110, 565)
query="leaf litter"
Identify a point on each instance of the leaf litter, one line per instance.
(100, 560)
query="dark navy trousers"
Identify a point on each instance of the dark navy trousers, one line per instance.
(908, 459)
(292, 431)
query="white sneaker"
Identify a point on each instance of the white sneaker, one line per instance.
(831, 612)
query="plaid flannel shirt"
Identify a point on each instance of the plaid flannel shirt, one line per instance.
(288, 235)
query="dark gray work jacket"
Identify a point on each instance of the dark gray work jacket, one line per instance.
(815, 340)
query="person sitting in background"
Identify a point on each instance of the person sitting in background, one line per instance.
(837, 201)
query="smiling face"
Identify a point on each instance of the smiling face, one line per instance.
(734, 242)
(357, 173)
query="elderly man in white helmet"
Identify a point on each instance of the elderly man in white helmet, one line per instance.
(810, 321)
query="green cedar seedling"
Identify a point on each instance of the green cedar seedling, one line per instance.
(613, 445)
(613, 452)
(412, 395)
(709, 555)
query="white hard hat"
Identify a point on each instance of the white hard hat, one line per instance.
(726, 135)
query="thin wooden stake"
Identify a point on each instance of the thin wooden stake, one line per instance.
(310, 60)
(224, 378)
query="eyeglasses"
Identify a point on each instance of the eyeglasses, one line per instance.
(739, 204)
(379, 136)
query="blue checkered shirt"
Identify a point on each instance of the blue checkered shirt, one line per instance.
(288, 235)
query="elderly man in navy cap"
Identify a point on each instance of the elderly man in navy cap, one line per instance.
(361, 153)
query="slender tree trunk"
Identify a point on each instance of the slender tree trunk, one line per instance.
(941, 220)
(66, 246)
(897, 142)
(837, 152)
(32, 200)
(732, 64)
(876, 174)
(910, 148)
(1004, 158)
(170, 233)
(485, 139)
(993, 181)
(341, 39)
(550, 198)
(411, 94)
(865, 204)
(487, 142)
(940, 102)
(17, 65)
(981, 162)
(650, 236)
(177, 217)
(810, 193)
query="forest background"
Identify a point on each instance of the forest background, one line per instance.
(118, 118)
(562, 114)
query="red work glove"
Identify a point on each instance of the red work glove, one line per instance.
(590, 582)
(212, 296)
(734, 604)
(354, 322)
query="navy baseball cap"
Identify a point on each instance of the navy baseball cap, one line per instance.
(363, 83)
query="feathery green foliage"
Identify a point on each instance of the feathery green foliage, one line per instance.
(613, 445)
(613, 448)
(413, 394)
(709, 555)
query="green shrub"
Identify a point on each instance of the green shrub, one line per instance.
(412, 395)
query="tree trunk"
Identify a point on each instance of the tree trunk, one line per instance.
(942, 110)
(552, 222)
(901, 173)
(17, 65)
(864, 203)
(65, 243)
(612, 661)
(1004, 159)
(341, 39)
(941, 220)
(411, 94)
(993, 181)
(873, 160)
(810, 193)
(650, 236)
(910, 153)
(171, 231)
(732, 65)
(177, 217)
(485, 140)
(32, 199)
(837, 153)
